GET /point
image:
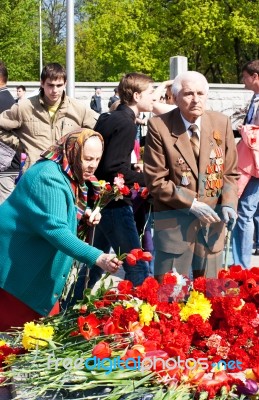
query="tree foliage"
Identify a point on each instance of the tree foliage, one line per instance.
(19, 49)
(217, 36)
(114, 37)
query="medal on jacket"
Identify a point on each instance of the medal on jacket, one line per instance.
(217, 137)
(212, 154)
(180, 161)
(219, 152)
(185, 178)
(214, 171)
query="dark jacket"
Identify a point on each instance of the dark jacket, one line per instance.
(119, 133)
(6, 102)
(112, 100)
(96, 103)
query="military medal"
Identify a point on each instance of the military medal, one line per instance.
(214, 179)
(212, 154)
(219, 152)
(180, 161)
(185, 181)
(217, 137)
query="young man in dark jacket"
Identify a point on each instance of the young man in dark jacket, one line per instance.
(117, 228)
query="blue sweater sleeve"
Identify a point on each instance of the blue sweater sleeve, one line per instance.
(51, 214)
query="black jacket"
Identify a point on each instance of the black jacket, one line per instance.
(119, 132)
(112, 100)
(96, 103)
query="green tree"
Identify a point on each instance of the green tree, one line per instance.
(119, 37)
(114, 37)
(19, 26)
(217, 36)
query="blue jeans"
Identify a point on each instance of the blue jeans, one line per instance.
(256, 224)
(117, 229)
(244, 230)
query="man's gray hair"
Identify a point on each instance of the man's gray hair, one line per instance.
(188, 76)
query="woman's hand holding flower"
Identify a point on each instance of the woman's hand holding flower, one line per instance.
(109, 263)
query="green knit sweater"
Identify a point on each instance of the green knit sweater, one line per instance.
(38, 241)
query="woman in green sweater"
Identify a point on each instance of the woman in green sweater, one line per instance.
(39, 223)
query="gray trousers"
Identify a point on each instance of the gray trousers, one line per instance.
(7, 184)
(197, 261)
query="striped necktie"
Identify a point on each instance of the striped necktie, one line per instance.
(251, 111)
(195, 141)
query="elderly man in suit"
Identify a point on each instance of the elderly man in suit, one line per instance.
(190, 166)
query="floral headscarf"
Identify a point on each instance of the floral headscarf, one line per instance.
(68, 153)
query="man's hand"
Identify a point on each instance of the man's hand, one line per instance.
(138, 167)
(229, 214)
(204, 212)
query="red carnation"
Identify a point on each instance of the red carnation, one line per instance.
(124, 190)
(199, 284)
(125, 286)
(99, 304)
(255, 294)
(169, 279)
(254, 273)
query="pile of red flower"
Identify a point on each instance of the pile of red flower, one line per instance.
(220, 327)
(187, 340)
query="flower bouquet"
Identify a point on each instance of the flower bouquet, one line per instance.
(108, 193)
(174, 341)
(103, 194)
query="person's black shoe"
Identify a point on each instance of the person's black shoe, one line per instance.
(256, 253)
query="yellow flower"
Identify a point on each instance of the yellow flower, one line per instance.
(2, 343)
(196, 304)
(102, 183)
(36, 335)
(135, 303)
(146, 313)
